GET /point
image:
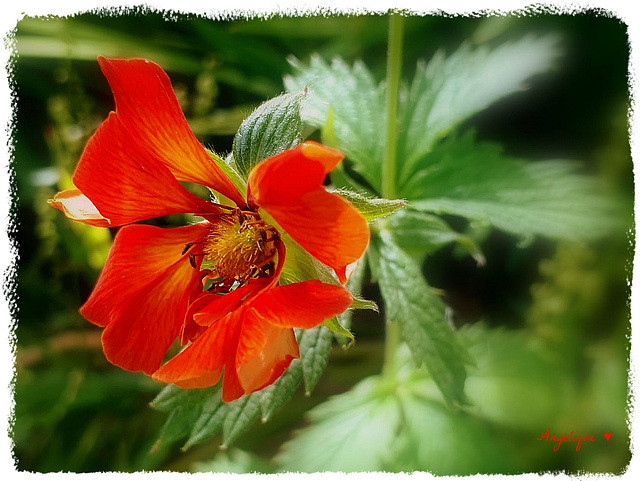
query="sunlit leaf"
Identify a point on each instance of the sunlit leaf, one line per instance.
(272, 128)
(371, 207)
(375, 428)
(350, 432)
(477, 181)
(448, 90)
(356, 101)
(419, 234)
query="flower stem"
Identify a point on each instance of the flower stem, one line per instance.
(394, 67)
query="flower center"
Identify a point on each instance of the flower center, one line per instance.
(239, 245)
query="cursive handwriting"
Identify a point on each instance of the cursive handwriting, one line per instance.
(560, 439)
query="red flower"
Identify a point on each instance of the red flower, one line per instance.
(150, 291)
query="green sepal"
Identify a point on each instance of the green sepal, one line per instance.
(335, 326)
(371, 207)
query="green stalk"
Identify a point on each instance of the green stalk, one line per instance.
(394, 67)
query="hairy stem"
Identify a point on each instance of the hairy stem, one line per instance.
(394, 67)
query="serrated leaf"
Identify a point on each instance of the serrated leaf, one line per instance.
(477, 181)
(357, 102)
(209, 422)
(434, 437)
(449, 90)
(272, 128)
(241, 413)
(279, 393)
(172, 397)
(315, 344)
(350, 432)
(419, 234)
(413, 304)
(371, 207)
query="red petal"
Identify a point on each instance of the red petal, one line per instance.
(143, 293)
(125, 183)
(147, 105)
(211, 307)
(77, 206)
(200, 364)
(289, 187)
(264, 352)
(302, 305)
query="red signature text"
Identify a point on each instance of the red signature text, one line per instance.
(560, 439)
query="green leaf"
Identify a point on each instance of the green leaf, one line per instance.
(280, 393)
(419, 234)
(272, 128)
(350, 432)
(357, 105)
(240, 414)
(209, 422)
(411, 302)
(315, 344)
(375, 428)
(515, 382)
(185, 407)
(442, 441)
(359, 303)
(371, 207)
(233, 461)
(477, 181)
(448, 91)
(334, 326)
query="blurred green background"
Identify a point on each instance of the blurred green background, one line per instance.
(75, 412)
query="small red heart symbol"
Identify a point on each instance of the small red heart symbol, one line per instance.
(607, 435)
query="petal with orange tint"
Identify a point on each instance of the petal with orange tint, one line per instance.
(289, 187)
(148, 107)
(77, 206)
(125, 183)
(326, 226)
(211, 307)
(264, 352)
(284, 177)
(143, 292)
(303, 304)
(201, 363)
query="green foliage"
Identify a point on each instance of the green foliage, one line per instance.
(414, 305)
(440, 172)
(515, 381)
(419, 234)
(200, 414)
(477, 181)
(449, 90)
(348, 433)
(375, 428)
(272, 128)
(357, 105)
(233, 461)
(371, 207)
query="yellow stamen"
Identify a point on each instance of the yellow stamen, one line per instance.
(239, 244)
